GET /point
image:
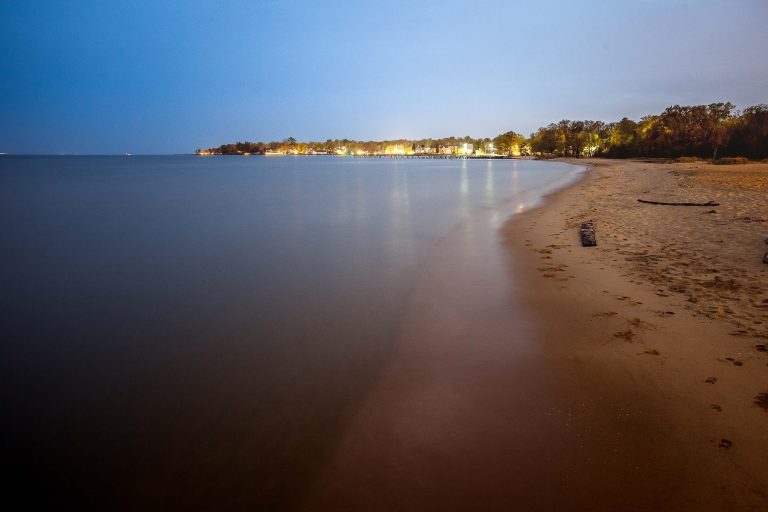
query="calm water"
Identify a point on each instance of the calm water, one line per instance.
(187, 331)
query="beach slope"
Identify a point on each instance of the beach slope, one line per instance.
(657, 336)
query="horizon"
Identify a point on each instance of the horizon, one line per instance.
(105, 80)
(737, 111)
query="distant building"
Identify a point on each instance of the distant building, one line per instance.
(425, 150)
(395, 149)
(448, 150)
(466, 149)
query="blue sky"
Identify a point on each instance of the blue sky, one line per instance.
(170, 76)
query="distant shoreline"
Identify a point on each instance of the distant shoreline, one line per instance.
(414, 156)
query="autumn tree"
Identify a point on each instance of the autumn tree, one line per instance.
(749, 135)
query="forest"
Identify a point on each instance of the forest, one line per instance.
(704, 131)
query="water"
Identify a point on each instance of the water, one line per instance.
(197, 332)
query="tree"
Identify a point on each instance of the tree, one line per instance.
(749, 134)
(622, 138)
(698, 130)
(509, 143)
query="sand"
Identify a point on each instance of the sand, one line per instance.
(664, 325)
(534, 374)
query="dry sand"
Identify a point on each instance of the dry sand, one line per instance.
(547, 376)
(664, 325)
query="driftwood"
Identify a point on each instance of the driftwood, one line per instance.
(708, 203)
(587, 234)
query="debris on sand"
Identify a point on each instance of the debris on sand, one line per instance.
(708, 203)
(587, 234)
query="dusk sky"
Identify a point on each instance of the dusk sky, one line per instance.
(171, 76)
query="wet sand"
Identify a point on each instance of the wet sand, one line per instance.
(464, 404)
(534, 374)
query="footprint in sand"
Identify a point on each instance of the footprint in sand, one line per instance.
(627, 335)
(761, 401)
(716, 407)
(653, 352)
(664, 314)
(607, 314)
(711, 380)
(558, 268)
(641, 324)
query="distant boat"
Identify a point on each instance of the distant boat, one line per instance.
(127, 154)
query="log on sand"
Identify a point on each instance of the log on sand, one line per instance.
(587, 234)
(708, 203)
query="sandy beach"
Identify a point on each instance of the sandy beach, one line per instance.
(549, 376)
(662, 326)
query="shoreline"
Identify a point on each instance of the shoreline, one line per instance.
(462, 414)
(534, 374)
(657, 387)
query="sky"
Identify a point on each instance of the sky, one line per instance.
(162, 76)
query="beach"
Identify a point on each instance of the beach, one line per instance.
(617, 377)
(657, 336)
(399, 335)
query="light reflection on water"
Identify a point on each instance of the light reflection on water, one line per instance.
(194, 327)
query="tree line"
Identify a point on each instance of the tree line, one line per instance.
(705, 131)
